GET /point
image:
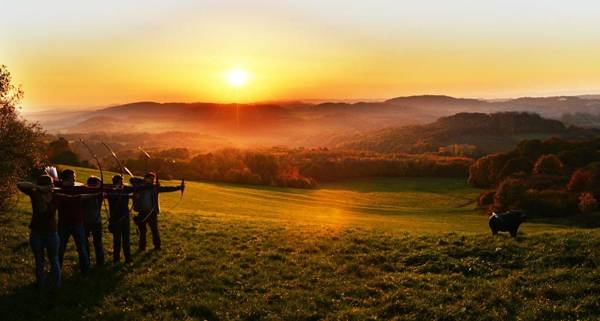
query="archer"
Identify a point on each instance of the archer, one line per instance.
(145, 202)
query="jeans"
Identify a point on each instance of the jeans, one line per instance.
(48, 241)
(121, 238)
(78, 233)
(152, 221)
(96, 231)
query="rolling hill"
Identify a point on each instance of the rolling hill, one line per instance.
(486, 133)
(300, 124)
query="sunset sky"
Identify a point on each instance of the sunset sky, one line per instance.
(95, 53)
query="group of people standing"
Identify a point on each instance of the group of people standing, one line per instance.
(79, 208)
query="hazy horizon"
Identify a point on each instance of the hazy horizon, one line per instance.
(81, 108)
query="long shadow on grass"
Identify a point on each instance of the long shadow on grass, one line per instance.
(79, 295)
(580, 221)
(435, 185)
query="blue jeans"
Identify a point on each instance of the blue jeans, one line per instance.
(78, 233)
(39, 242)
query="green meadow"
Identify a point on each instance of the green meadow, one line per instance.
(373, 249)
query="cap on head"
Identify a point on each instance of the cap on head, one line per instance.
(67, 174)
(44, 180)
(93, 180)
(117, 179)
(150, 176)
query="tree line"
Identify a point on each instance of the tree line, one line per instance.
(299, 168)
(554, 177)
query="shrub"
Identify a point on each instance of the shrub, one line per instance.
(486, 198)
(545, 181)
(548, 164)
(581, 180)
(530, 149)
(587, 202)
(263, 164)
(515, 165)
(486, 170)
(510, 194)
(296, 182)
(550, 202)
(243, 176)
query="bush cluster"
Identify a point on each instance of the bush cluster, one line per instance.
(550, 178)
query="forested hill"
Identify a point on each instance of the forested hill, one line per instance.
(295, 124)
(465, 133)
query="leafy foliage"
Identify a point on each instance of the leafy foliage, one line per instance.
(302, 168)
(60, 152)
(510, 194)
(548, 164)
(581, 180)
(587, 202)
(20, 141)
(486, 171)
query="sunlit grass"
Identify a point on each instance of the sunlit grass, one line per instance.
(382, 249)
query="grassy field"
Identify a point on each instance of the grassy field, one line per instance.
(378, 249)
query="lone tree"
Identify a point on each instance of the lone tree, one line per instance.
(548, 164)
(21, 143)
(60, 152)
(510, 194)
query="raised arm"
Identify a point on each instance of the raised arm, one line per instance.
(163, 189)
(82, 196)
(28, 188)
(90, 196)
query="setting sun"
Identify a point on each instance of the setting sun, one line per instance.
(237, 77)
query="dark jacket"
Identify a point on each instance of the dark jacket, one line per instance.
(146, 197)
(92, 208)
(70, 210)
(118, 203)
(43, 218)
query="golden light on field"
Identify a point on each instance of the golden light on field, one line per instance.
(237, 77)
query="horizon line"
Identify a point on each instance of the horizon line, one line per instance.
(316, 101)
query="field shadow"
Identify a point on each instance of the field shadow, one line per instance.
(367, 185)
(79, 294)
(588, 221)
(398, 184)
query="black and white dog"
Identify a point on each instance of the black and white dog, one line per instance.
(506, 222)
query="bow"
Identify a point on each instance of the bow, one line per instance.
(155, 186)
(119, 162)
(96, 159)
(148, 157)
(121, 169)
(182, 188)
(99, 168)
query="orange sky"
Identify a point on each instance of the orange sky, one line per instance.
(96, 53)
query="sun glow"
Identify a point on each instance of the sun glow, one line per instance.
(237, 77)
